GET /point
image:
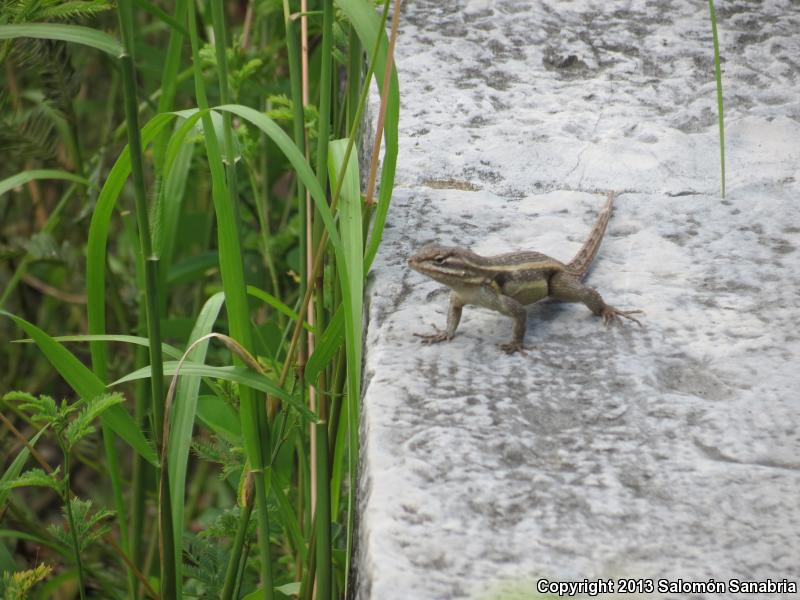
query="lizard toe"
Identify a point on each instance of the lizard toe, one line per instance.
(512, 348)
(434, 338)
(612, 315)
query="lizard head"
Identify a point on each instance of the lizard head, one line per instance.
(445, 264)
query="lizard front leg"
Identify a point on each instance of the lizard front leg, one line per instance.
(453, 319)
(515, 310)
(491, 296)
(568, 288)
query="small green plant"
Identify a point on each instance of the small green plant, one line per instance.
(17, 586)
(69, 423)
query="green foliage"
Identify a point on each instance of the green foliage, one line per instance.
(81, 426)
(44, 408)
(282, 109)
(225, 525)
(26, 135)
(36, 478)
(30, 11)
(90, 525)
(70, 422)
(204, 563)
(33, 133)
(228, 457)
(243, 68)
(17, 586)
(51, 60)
(229, 252)
(42, 246)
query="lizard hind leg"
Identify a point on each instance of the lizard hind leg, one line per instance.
(568, 288)
(612, 315)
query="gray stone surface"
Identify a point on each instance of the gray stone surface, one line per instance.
(671, 451)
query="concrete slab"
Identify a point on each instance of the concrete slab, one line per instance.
(669, 452)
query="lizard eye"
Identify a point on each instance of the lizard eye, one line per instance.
(439, 260)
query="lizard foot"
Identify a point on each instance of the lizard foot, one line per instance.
(611, 315)
(434, 338)
(512, 347)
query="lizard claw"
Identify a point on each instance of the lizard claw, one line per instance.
(434, 338)
(611, 315)
(512, 347)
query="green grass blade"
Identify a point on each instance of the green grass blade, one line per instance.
(38, 540)
(241, 375)
(366, 23)
(87, 385)
(325, 77)
(96, 245)
(19, 179)
(220, 48)
(353, 300)
(67, 33)
(288, 518)
(170, 77)
(298, 133)
(296, 158)
(323, 512)
(355, 53)
(327, 345)
(276, 304)
(190, 123)
(220, 417)
(15, 468)
(159, 14)
(350, 193)
(168, 209)
(720, 112)
(252, 410)
(340, 457)
(351, 225)
(183, 415)
(228, 237)
(171, 351)
(192, 268)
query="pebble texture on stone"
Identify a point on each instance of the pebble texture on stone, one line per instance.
(671, 451)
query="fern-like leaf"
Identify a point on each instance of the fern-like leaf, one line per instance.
(89, 525)
(28, 136)
(43, 409)
(74, 9)
(32, 11)
(219, 451)
(82, 424)
(204, 562)
(36, 478)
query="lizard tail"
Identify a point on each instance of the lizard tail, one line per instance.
(579, 265)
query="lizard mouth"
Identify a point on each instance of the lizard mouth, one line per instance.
(424, 268)
(420, 266)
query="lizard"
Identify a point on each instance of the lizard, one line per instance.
(506, 283)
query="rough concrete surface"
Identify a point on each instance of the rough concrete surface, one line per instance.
(671, 451)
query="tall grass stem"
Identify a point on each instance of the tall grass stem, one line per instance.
(252, 410)
(720, 111)
(166, 534)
